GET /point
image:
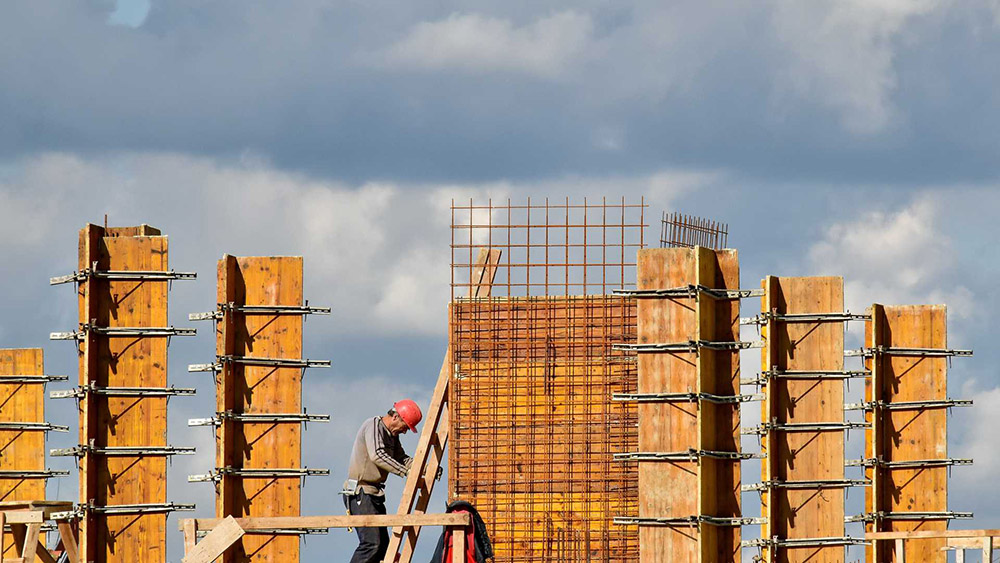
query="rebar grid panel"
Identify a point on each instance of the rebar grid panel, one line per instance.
(678, 230)
(802, 513)
(548, 248)
(532, 423)
(697, 487)
(244, 388)
(113, 421)
(911, 434)
(21, 451)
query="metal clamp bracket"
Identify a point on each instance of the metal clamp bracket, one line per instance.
(922, 352)
(907, 405)
(804, 427)
(803, 542)
(906, 464)
(122, 451)
(111, 332)
(686, 398)
(814, 484)
(147, 508)
(687, 521)
(245, 473)
(258, 310)
(122, 275)
(21, 379)
(33, 426)
(690, 456)
(46, 474)
(259, 418)
(94, 389)
(691, 291)
(266, 362)
(692, 346)
(876, 516)
(764, 318)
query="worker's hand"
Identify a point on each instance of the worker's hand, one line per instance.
(439, 472)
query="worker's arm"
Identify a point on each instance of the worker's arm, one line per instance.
(380, 455)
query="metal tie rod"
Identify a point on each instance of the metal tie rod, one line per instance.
(20, 379)
(923, 352)
(690, 346)
(873, 517)
(690, 456)
(686, 398)
(46, 474)
(906, 464)
(907, 405)
(268, 362)
(93, 389)
(33, 426)
(763, 318)
(804, 427)
(813, 484)
(817, 375)
(804, 542)
(123, 332)
(257, 474)
(145, 508)
(687, 521)
(258, 418)
(258, 310)
(122, 451)
(689, 291)
(123, 275)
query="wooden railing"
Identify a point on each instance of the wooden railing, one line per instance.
(957, 540)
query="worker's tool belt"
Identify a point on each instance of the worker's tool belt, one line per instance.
(352, 487)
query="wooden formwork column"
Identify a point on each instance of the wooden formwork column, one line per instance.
(908, 394)
(122, 345)
(22, 430)
(259, 399)
(676, 426)
(802, 473)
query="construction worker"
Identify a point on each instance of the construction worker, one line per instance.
(377, 453)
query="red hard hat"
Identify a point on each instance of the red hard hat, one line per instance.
(409, 412)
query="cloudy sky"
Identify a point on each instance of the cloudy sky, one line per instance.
(852, 137)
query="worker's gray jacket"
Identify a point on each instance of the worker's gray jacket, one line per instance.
(376, 454)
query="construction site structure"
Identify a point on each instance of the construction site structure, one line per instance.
(122, 340)
(259, 369)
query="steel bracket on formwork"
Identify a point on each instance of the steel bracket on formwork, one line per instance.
(876, 516)
(920, 352)
(263, 362)
(690, 455)
(685, 398)
(302, 418)
(689, 291)
(122, 275)
(45, 474)
(804, 542)
(245, 473)
(22, 379)
(686, 521)
(907, 405)
(814, 484)
(907, 464)
(224, 308)
(93, 389)
(33, 426)
(137, 332)
(144, 508)
(804, 427)
(276, 532)
(122, 451)
(816, 375)
(764, 318)
(691, 346)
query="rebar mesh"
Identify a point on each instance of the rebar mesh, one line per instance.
(687, 230)
(533, 427)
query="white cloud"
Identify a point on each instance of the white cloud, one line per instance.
(480, 44)
(899, 257)
(841, 54)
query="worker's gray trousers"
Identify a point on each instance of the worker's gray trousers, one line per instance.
(373, 541)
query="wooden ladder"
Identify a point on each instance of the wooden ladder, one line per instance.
(434, 435)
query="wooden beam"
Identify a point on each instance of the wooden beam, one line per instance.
(68, 537)
(215, 543)
(450, 519)
(932, 534)
(434, 434)
(458, 546)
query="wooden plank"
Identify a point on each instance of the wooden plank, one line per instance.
(68, 535)
(254, 281)
(805, 456)
(93, 297)
(665, 489)
(42, 553)
(190, 529)
(914, 434)
(21, 451)
(434, 434)
(30, 540)
(718, 424)
(932, 534)
(450, 519)
(458, 546)
(215, 543)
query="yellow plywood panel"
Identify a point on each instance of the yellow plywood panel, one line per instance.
(20, 450)
(257, 281)
(805, 456)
